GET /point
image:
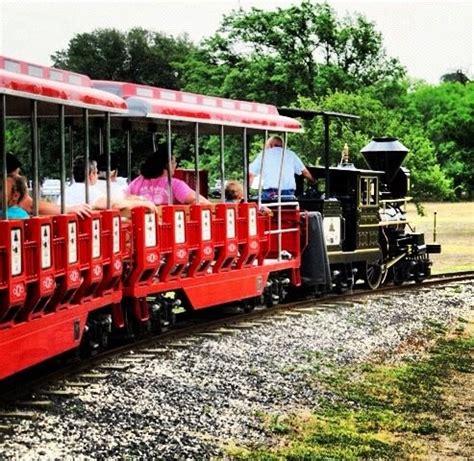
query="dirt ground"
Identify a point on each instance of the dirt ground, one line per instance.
(455, 232)
(458, 443)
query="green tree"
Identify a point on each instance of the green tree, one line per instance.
(138, 56)
(428, 180)
(304, 50)
(446, 113)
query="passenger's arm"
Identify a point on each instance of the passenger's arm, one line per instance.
(122, 204)
(191, 199)
(49, 208)
(83, 210)
(308, 175)
(128, 203)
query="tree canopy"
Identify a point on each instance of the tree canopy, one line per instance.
(138, 55)
(301, 56)
(304, 50)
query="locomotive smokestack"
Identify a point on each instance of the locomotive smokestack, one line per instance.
(385, 154)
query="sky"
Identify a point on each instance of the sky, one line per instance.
(429, 37)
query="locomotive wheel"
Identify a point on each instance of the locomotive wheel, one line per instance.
(374, 274)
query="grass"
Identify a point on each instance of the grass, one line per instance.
(379, 411)
(455, 232)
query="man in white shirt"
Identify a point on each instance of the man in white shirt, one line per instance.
(75, 194)
(270, 172)
(117, 191)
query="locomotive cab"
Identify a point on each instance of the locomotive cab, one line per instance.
(350, 222)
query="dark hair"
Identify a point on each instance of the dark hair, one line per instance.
(79, 166)
(12, 163)
(102, 163)
(19, 185)
(155, 163)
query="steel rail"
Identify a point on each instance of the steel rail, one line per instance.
(26, 384)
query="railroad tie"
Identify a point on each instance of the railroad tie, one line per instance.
(35, 403)
(160, 350)
(94, 375)
(60, 392)
(114, 367)
(18, 414)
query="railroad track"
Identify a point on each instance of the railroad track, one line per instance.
(22, 396)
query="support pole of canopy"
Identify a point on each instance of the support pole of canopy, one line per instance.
(3, 151)
(222, 166)
(62, 159)
(129, 154)
(35, 156)
(245, 166)
(107, 155)
(196, 166)
(168, 143)
(326, 153)
(86, 152)
(260, 177)
(71, 152)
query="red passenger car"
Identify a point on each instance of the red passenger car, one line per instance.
(67, 281)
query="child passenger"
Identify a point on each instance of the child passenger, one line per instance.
(234, 192)
(16, 191)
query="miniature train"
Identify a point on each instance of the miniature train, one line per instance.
(68, 282)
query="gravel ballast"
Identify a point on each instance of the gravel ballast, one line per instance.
(190, 402)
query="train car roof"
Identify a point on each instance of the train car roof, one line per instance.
(308, 114)
(160, 104)
(22, 81)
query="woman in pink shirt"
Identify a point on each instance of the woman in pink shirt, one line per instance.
(152, 183)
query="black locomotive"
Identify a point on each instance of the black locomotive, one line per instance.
(366, 232)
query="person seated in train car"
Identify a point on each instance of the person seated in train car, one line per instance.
(16, 191)
(13, 165)
(46, 207)
(270, 173)
(117, 188)
(234, 192)
(76, 192)
(152, 183)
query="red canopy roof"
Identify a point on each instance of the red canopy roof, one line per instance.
(23, 79)
(159, 103)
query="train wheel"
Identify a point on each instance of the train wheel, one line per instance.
(374, 273)
(248, 305)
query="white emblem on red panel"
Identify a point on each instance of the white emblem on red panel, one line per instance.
(117, 265)
(253, 245)
(97, 271)
(207, 250)
(181, 253)
(74, 276)
(48, 283)
(151, 258)
(18, 290)
(232, 247)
